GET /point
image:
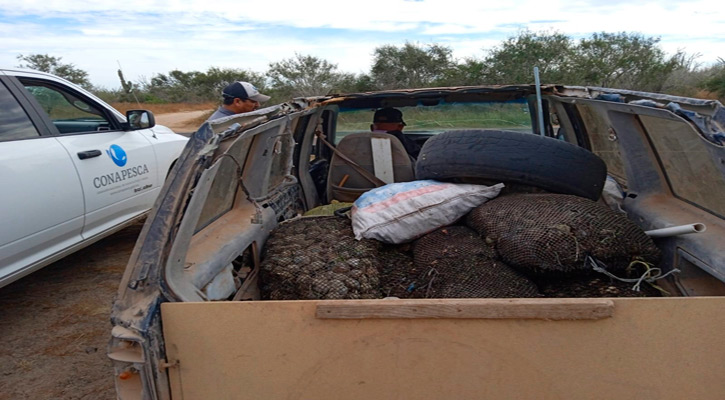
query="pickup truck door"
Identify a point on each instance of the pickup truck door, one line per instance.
(117, 169)
(671, 169)
(41, 196)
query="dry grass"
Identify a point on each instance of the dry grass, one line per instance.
(704, 94)
(165, 108)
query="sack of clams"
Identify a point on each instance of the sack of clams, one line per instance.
(515, 246)
(556, 233)
(455, 262)
(313, 258)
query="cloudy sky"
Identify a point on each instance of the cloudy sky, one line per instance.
(148, 37)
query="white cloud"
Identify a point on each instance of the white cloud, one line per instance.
(455, 29)
(101, 32)
(150, 37)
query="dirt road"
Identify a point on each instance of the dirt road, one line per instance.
(183, 122)
(55, 325)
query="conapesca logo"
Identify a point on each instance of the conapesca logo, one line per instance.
(117, 154)
(120, 176)
(119, 157)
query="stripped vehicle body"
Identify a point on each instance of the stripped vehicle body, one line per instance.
(239, 177)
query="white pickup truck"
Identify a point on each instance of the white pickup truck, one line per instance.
(196, 319)
(74, 170)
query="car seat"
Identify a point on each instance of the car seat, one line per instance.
(378, 153)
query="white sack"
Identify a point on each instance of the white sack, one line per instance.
(401, 212)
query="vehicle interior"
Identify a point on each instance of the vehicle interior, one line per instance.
(67, 112)
(233, 207)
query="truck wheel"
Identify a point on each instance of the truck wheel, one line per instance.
(512, 157)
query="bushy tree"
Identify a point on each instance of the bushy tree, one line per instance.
(514, 60)
(111, 95)
(685, 78)
(215, 79)
(306, 75)
(173, 87)
(624, 60)
(715, 81)
(196, 86)
(355, 83)
(55, 66)
(620, 60)
(411, 66)
(469, 72)
(617, 60)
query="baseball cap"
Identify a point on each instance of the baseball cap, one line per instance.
(244, 90)
(388, 114)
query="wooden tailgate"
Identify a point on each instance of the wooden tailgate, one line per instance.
(643, 348)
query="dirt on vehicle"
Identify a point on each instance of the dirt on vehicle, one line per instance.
(55, 324)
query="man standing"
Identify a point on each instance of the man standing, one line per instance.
(390, 120)
(239, 97)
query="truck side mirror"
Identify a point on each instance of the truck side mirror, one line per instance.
(140, 119)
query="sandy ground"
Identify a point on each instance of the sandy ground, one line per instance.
(182, 122)
(55, 324)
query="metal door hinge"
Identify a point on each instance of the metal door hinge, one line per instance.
(165, 364)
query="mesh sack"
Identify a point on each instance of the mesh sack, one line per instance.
(318, 258)
(555, 233)
(398, 274)
(455, 262)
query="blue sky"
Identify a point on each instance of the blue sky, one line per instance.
(149, 37)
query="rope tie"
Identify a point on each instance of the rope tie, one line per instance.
(650, 275)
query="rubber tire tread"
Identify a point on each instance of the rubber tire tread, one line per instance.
(515, 157)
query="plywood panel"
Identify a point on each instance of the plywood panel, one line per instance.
(649, 349)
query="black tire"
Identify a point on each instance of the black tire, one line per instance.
(512, 157)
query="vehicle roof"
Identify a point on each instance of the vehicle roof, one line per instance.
(433, 96)
(31, 73)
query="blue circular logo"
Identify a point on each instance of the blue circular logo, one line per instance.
(117, 154)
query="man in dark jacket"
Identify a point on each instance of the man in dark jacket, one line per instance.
(390, 120)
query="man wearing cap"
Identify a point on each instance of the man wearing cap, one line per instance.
(390, 120)
(239, 97)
